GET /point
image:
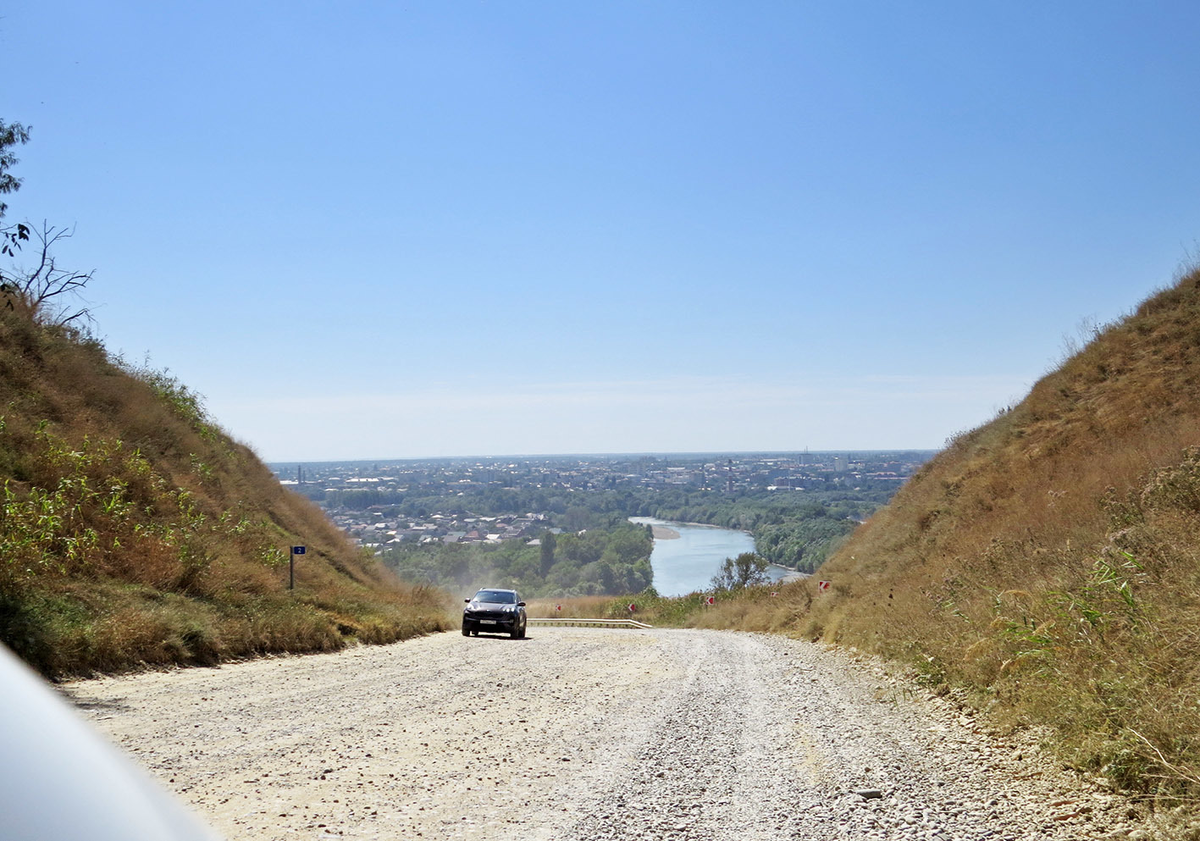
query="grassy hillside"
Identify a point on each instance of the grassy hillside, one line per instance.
(132, 530)
(1048, 563)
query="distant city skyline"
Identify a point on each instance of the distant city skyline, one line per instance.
(443, 229)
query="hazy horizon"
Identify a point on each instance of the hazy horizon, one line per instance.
(655, 454)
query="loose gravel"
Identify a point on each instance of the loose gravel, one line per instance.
(586, 734)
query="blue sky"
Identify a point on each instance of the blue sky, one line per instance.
(377, 230)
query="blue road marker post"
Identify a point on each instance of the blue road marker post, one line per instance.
(296, 550)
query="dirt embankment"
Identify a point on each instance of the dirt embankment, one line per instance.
(584, 734)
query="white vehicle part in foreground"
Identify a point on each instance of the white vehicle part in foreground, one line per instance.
(61, 781)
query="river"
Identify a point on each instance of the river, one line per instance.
(686, 564)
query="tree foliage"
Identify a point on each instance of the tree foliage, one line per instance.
(11, 134)
(746, 570)
(606, 561)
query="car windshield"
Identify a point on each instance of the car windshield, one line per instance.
(496, 596)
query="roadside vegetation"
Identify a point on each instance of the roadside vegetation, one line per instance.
(135, 532)
(1045, 567)
(691, 611)
(739, 585)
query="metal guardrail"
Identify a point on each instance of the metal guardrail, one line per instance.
(601, 623)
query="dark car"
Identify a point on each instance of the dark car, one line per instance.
(497, 611)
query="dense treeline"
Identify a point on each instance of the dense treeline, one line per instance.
(802, 544)
(796, 529)
(605, 561)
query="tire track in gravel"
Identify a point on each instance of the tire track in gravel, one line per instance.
(718, 756)
(582, 734)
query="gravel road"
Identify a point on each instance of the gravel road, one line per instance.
(585, 734)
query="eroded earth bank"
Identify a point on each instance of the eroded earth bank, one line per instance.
(584, 734)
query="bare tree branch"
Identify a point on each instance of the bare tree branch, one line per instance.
(38, 292)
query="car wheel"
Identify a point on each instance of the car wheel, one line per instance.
(516, 633)
(466, 631)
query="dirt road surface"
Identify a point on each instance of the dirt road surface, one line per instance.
(584, 734)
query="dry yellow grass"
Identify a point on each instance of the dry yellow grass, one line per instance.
(583, 607)
(134, 532)
(1048, 563)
